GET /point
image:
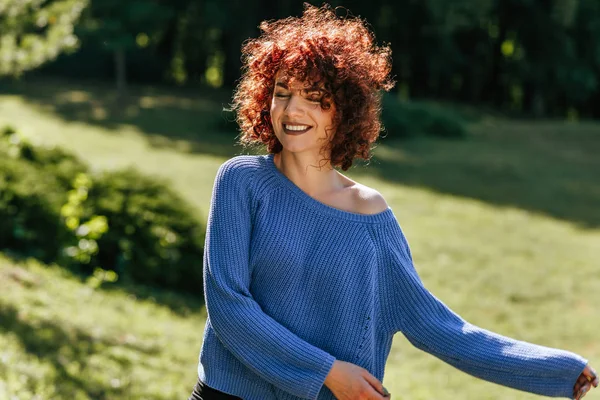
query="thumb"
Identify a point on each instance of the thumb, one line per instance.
(376, 383)
(591, 374)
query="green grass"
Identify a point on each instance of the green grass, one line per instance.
(61, 339)
(504, 228)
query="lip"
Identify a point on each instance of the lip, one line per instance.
(295, 133)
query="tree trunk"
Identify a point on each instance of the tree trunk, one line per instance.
(120, 71)
(538, 103)
(494, 91)
(231, 45)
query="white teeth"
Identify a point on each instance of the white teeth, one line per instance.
(296, 127)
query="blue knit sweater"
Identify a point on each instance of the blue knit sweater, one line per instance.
(291, 284)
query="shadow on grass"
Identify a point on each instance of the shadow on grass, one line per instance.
(180, 303)
(65, 347)
(547, 167)
(186, 120)
(551, 168)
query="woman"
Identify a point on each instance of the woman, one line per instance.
(307, 273)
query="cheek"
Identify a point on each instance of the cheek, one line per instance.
(275, 108)
(326, 118)
(275, 113)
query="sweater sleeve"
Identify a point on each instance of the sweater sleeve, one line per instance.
(261, 343)
(434, 328)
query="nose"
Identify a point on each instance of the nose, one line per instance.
(294, 106)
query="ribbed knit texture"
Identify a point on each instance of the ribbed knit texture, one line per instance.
(291, 284)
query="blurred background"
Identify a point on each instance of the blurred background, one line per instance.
(112, 128)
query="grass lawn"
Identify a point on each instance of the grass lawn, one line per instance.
(504, 228)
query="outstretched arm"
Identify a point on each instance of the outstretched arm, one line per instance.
(433, 327)
(256, 339)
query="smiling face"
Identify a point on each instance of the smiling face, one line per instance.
(299, 121)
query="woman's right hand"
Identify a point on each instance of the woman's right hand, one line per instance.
(348, 381)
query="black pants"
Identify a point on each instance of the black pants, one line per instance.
(204, 392)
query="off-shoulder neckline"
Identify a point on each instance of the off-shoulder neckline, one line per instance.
(315, 204)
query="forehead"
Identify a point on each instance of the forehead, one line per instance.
(290, 81)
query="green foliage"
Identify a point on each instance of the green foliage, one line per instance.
(509, 218)
(35, 32)
(404, 119)
(524, 56)
(30, 201)
(84, 244)
(123, 25)
(100, 276)
(153, 237)
(61, 339)
(118, 223)
(62, 165)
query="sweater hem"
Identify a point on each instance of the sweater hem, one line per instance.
(248, 391)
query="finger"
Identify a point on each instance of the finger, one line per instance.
(590, 373)
(386, 393)
(373, 394)
(581, 381)
(579, 393)
(375, 383)
(576, 391)
(594, 377)
(584, 390)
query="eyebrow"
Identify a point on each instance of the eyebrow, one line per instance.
(310, 89)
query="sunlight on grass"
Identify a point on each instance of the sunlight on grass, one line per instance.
(504, 228)
(103, 149)
(70, 341)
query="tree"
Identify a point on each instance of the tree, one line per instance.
(35, 32)
(121, 26)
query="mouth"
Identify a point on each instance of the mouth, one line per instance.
(296, 129)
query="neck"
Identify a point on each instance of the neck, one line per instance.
(310, 172)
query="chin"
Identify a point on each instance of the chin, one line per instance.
(295, 149)
(294, 144)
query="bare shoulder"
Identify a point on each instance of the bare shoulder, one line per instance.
(366, 199)
(370, 201)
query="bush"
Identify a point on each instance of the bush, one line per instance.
(33, 187)
(406, 119)
(51, 208)
(61, 164)
(153, 236)
(30, 202)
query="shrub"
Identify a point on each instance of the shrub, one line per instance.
(153, 236)
(51, 208)
(406, 119)
(56, 161)
(30, 201)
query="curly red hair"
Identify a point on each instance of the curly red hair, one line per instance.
(319, 47)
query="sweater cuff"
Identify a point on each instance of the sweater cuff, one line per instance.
(315, 388)
(574, 369)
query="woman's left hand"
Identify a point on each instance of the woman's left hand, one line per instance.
(585, 381)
